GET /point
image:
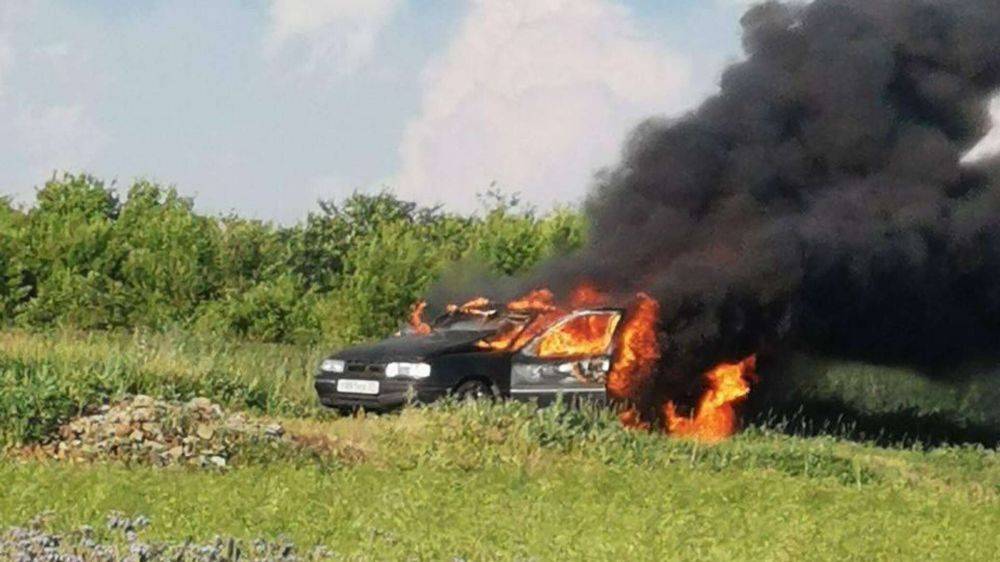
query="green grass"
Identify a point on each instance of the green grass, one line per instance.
(504, 481)
(268, 377)
(426, 491)
(969, 392)
(47, 378)
(890, 405)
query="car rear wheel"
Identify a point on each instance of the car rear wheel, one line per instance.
(474, 390)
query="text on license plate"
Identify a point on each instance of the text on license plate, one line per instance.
(357, 387)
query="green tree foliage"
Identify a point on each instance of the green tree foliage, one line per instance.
(84, 257)
(14, 286)
(249, 252)
(273, 310)
(511, 239)
(67, 249)
(168, 255)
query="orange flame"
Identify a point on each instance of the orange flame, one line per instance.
(715, 417)
(586, 295)
(417, 323)
(540, 302)
(477, 305)
(580, 336)
(637, 351)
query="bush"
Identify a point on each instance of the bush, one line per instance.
(388, 273)
(68, 256)
(249, 252)
(14, 285)
(33, 402)
(168, 256)
(511, 240)
(270, 311)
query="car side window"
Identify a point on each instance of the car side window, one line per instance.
(582, 334)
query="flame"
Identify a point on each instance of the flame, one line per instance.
(586, 295)
(630, 418)
(478, 305)
(417, 323)
(715, 417)
(637, 350)
(541, 304)
(539, 300)
(636, 354)
(580, 336)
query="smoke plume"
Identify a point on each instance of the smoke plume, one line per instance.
(819, 201)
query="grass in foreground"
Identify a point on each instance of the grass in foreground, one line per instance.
(497, 481)
(507, 482)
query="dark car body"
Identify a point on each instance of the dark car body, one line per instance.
(357, 377)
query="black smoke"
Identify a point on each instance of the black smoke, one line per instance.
(819, 201)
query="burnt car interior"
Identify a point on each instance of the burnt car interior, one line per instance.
(572, 355)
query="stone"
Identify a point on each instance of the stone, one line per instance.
(204, 432)
(143, 429)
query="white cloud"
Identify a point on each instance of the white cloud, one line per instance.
(536, 95)
(8, 16)
(339, 34)
(41, 135)
(57, 137)
(6, 57)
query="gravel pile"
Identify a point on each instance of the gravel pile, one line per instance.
(122, 543)
(144, 429)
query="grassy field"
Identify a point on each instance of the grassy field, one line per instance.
(506, 481)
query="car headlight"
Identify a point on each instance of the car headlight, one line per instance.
(408, 370)
(333, 366)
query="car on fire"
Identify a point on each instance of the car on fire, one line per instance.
(480, 351)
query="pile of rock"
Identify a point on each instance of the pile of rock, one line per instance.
(144, 429)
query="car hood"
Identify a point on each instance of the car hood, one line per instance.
(413, 347)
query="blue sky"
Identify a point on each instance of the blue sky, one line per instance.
(263, 106)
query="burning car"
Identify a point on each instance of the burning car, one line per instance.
(526, 349)
(535, 349)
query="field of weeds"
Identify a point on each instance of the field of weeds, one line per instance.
(459, 481)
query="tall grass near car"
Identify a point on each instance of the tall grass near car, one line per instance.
(47, 378)
(891, 405)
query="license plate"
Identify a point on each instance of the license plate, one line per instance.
(350, 386)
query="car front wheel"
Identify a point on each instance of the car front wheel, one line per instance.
(474, 390)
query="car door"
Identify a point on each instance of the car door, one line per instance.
(572, 357)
